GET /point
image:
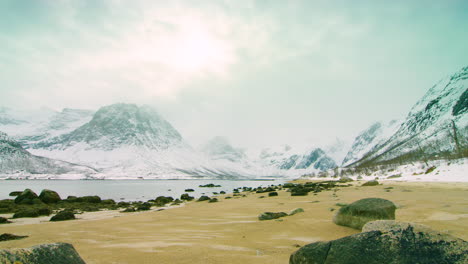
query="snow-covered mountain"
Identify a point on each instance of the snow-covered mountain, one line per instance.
(436, 127)
(293, 161)
(368, 139)
(14, 159)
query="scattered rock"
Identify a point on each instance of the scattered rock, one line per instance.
(144, 207)
(394, 176)
(6, 237)
(189, 190)
(296, 211)
(27, 197)
(3, 220)
(271, 194)
(203, 198)
(362, 211)
(345, 179)
(89, 199)
(186, 197)
(63, 216)
(163, 200)
(341, 204)
(213, 200)
(49, 196)
(370, 183)
(128, 210)
(26, 212)
(431, 169)
(271, 215)
(209, 185)
(222, 192)
(15, 193)
(58, 253)
(386, 242)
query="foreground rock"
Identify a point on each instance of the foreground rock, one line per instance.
(271, 215)
(63, 216)
(386, 242)
(357, 214)
(58, 253)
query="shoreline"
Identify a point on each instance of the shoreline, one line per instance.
(229, 231)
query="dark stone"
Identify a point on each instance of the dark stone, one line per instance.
(203, 198)
(388, 244)
(128, 210)
(144, 207)
(213, 200)
(222, 192)
(271, 194)
(357, 214)
(163, 200)
(271, 215)
(58, 253)
(3, 220)
(44, 211)
(6, 237)
(189, 190)
(27, 197)
(26, 212)
(16, 193)
(89, 199)
(370, 183)
(299, 191)
(186, 197)
(209, 185)
(63, 215)
(49, 196)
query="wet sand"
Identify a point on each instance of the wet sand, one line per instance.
(230, 232)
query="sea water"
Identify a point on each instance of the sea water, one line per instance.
(128, 190)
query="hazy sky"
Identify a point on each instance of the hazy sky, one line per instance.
(258, 72)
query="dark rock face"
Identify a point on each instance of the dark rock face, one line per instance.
(58, 253)
(49, 196)
(6, 237)
(271, 216)
(63, 215)
(26, 197)
(357, 214)
(386, 244)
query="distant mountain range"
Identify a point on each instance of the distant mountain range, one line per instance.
(130, 141)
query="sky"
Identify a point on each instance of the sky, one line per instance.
(257, 72)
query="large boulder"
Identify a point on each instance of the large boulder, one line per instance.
(357, 214)
(387, 242)
(58, 253)
(49, 196)
(27, 197)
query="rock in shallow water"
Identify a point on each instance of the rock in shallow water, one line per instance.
(58, 253)
(387, 242)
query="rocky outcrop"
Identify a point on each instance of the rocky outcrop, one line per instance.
(49, 196)
(386, 242)
(58, 253)
(357, 214)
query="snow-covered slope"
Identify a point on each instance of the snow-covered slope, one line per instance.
(368, 139)
(219, 148)
(436, 127)
(14, 159)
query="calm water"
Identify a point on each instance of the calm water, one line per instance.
(128, 190)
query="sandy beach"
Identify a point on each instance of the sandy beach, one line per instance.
(230, 232)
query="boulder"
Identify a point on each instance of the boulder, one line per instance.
(26, 197)
(3, 220)
(15, 193)
(357, 214)
(186, 197)
(189, 190)
(203, 198)
(6, 237)
(271, 194)
(271, 215)
(296, 211)
(371, 183)
(58, 253)
(26, 212)
(386, 242)
(144, 207)
(128, 210)
(49, 196)
(213, 200)
(63, 216)
(88, 199)
(163, 200)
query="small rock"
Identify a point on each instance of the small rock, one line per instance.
(6, 237)
(271, 215)
(203, 198)
(370, 183)
(296, 211)
(189, 190)
(271, 194)
(213, 200)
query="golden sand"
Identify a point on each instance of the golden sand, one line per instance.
(230, 232)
